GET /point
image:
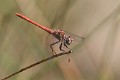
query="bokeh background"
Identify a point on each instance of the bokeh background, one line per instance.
(95, 58)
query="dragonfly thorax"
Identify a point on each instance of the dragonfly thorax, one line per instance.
(60, 35)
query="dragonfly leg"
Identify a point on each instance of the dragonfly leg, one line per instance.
(67, 47)
(69, 50)
(60, 47)
(52, 47)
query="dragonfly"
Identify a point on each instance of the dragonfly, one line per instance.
(56, 37)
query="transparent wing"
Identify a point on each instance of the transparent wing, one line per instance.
(50, 43)
(50, 40)
(76, 39)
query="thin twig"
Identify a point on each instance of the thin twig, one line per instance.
(34, 64)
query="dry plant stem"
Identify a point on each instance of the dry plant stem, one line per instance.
(32, 65)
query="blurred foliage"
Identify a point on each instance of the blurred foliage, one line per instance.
(95, 58)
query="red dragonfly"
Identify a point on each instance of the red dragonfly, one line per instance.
(57, 37)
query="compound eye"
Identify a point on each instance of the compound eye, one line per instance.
(70, 39)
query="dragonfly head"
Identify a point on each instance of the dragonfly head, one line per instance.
(69, 40)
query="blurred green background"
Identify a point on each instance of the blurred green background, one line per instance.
(95, 58)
